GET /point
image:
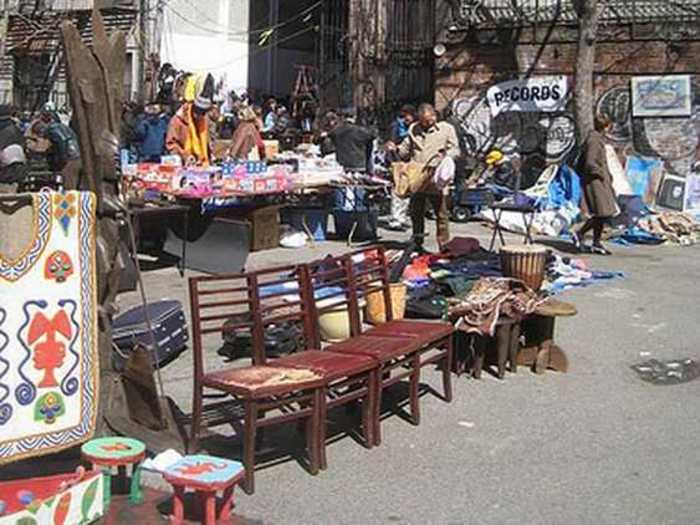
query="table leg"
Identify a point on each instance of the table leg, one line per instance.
(178, 515)
(479, 352)
(502, 348)
(183, 258)
(227, 504)
(497, 219)
(107, 489)
(500, 230)
(514, 347)
(210, 508)
(135, 494)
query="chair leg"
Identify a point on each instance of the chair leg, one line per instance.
(368, 411)
(415, 383)
(178, 515)
(377, 416)
(447, 369)
(193, 444)
(316, 433)
(249, 439)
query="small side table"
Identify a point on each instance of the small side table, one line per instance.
(539, 350)
(107, 453)
(527, 213)
(206, 475)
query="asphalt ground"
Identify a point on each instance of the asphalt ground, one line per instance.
(595, 445)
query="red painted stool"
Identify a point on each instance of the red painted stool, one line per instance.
(206, 475)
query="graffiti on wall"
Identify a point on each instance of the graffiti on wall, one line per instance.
(675, 140)
(525, 133)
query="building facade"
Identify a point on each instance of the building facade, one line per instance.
(490, 42)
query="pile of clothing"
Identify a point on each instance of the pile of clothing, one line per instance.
(673, 226)
(564, 273)
(490, 298)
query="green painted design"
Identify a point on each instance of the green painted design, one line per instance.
(49, 407)
(33, 507)
(26, 521)
(48, 502)
(113, 448)
(88, 499)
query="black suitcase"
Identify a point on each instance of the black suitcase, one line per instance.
(169, 327)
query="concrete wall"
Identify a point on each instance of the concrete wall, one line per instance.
(208, 36)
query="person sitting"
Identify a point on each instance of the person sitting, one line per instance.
(13, 162)
(247, 143)
(150, 133)
(188, 132)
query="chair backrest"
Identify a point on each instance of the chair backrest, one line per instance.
(332, 289)
(252, 301)
(369, 272)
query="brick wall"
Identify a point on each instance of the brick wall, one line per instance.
(467, 70)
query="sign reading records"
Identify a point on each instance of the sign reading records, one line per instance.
(539, 94)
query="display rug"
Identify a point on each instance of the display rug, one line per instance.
(48, 324)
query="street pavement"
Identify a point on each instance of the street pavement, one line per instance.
(595, 445)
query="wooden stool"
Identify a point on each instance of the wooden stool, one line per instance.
(205, 475)
(539, 350)
(107, 453)
(506, 342)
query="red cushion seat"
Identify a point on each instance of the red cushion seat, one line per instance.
(262, 381)
(380, 348)
(423, 332)
(330, 365)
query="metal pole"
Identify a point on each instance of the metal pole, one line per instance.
(142, 51)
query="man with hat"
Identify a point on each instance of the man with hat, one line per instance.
(13, 162)
(188, 132)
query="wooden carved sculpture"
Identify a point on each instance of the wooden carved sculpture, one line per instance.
(95, 88)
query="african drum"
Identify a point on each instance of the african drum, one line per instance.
(525, 262)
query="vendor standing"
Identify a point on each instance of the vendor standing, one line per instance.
(13, 162)
(428, 143)
(188, 133)
(247, 142)
(150, 133)
(353, 145)
(397, 133)
(598, 202)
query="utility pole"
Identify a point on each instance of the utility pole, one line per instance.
(143, 49)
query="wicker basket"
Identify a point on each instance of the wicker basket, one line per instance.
(376, 312)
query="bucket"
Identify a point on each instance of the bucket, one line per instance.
(376, 312)
(334, 323)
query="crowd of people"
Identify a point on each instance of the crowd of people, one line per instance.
(190, 128)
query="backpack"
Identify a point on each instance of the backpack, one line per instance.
(64, 141)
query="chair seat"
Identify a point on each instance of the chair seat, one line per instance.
(423, 332)
(330, 365)
(382, 349)
(261, 381)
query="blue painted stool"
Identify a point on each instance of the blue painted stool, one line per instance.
(206, 475)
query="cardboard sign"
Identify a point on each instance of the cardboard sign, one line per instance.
(539, 94)
(692, 194)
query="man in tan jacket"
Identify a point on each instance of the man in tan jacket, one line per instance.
(428, 143)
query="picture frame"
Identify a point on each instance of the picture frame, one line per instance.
(662, 96)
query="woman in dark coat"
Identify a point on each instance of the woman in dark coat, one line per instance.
(598, 201)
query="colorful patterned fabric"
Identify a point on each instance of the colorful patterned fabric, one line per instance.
(48, 330)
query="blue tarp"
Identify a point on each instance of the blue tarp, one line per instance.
(564, 188)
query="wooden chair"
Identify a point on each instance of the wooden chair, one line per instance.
(407, 345)
(296, 393)
(397, 358)
(347, 378)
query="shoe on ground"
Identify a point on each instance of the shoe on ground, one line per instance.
(599, 249)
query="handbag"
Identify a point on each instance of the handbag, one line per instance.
(409, 177)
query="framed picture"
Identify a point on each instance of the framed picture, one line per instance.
(662, 96)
